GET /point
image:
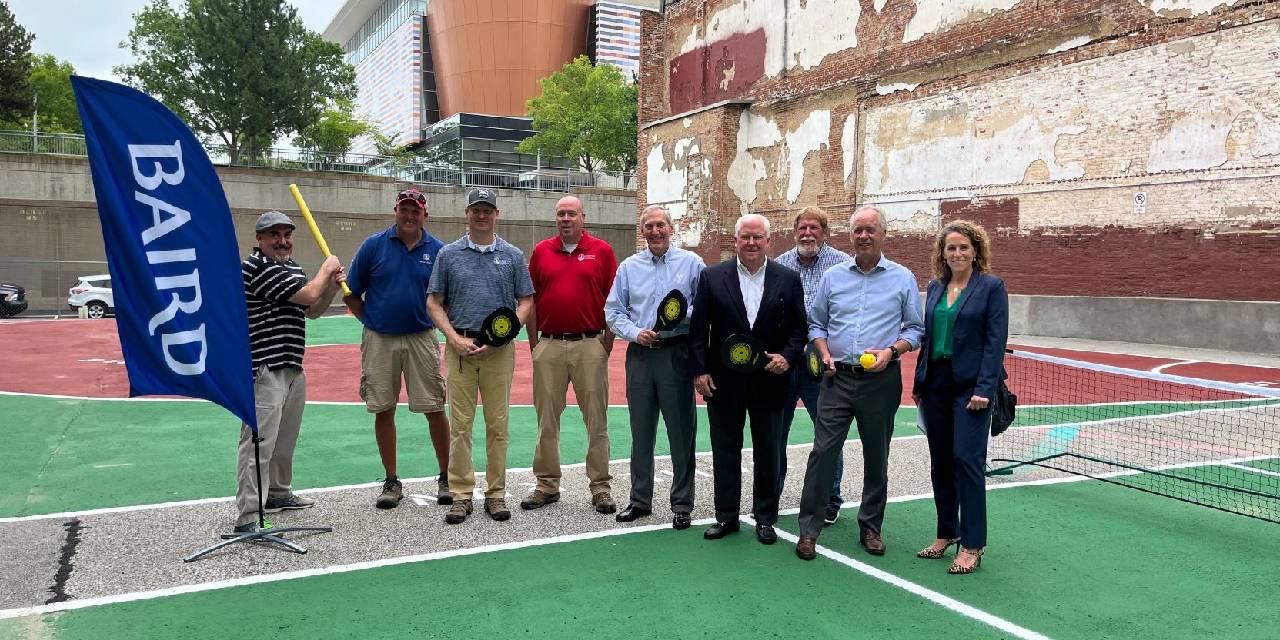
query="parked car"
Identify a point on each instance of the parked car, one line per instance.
(13, 300)
(94, 294)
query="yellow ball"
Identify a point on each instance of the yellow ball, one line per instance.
(867, 360)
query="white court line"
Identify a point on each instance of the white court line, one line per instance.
(1254, 470)
(223, 584)
(342, 568)
(1161, 368)
(947, 602)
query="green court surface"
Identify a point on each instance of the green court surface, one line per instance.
(343, 329)
(67, 455)
(1083, 560)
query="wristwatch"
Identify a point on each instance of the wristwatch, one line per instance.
(896, 354)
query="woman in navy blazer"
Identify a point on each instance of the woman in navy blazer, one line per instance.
(966, 319)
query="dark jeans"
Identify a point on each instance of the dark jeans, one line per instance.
(957, 453)
(805, 387)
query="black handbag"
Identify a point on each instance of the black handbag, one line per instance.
(1003, 406)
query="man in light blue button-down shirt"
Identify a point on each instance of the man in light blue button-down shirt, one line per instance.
(869, 305)
(657, 363)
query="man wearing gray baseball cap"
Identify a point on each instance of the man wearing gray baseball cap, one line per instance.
(279, 299)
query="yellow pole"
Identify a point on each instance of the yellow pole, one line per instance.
(315, 230)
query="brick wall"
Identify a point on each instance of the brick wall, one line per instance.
(1043, 120)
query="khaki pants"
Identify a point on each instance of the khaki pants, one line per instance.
(489, 374)
(279, 397)
(556, 364)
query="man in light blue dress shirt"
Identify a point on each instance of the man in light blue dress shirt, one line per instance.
(870, 305)
(811, 257)
(657, 363)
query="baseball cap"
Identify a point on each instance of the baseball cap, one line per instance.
(271, 219)
(478, 195)
(412, 195)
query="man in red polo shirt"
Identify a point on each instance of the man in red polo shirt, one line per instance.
(572, 272)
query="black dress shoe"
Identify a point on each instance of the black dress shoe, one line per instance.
(631, 513)
(681, 521)
(720, 530)
(765, 534)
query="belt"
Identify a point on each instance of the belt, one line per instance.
(659, 343)
(857, 368)
(569, 336)
(467, 333)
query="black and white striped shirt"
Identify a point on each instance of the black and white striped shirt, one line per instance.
(277, 327)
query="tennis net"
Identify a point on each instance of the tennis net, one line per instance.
(1204, 442)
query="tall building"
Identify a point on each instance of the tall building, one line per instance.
(454, 75)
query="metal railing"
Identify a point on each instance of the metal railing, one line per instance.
(408, 170)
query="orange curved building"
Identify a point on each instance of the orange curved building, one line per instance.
(490, 54)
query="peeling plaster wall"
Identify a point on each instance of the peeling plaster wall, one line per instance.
(670, 170)
(1192, 105)
(1185, 8)
(764, 151)
(939, 15)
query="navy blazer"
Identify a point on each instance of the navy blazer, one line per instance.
(979, 335)
(718, 312)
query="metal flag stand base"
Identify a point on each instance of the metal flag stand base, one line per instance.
(262, 534)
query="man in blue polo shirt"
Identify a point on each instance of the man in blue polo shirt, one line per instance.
(388, 281)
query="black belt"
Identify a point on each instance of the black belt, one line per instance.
(467, 333)
(857, 368)
(659, 343)
(569, 336)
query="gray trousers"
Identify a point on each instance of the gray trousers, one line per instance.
(279, 397)
(872, 400)
(658, 382)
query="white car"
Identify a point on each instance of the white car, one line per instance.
(94, 294)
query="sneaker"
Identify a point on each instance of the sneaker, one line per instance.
(603, 502)
(290, 502)
(392, 492)
(458, 512)
(497, 509)
(833, 514)
(252, 527)
(538, 500)
(443, 495)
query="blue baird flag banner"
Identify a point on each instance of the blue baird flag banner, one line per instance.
(171, 250)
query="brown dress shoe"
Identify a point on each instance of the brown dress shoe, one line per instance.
(806, 548)
(872, 541)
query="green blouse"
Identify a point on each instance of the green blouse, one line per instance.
(944, 320)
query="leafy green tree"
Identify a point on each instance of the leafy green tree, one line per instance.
(240, 71)
(15, 66)
(587, 113)
(336, 129)
(51, 80)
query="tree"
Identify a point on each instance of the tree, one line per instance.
(242, 71)
(51, 80)
(335, 130)
(587, 113)
(15, 66)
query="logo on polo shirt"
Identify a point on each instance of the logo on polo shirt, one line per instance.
(426, 259)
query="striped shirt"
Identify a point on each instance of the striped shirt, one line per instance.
(277, 327)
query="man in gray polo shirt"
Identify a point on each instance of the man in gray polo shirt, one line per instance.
(474, 276)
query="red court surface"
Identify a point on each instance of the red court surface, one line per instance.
(82, 358)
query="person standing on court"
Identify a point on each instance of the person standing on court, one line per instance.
(279, 299)
(474, 276)
(961, 362)
(388, 282)
(571, 273)
(865, 315)
(746, 295)
(811, 257)
(657, 366)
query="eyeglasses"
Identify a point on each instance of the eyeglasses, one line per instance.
(412, 194)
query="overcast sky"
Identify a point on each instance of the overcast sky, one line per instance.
(88, 33)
